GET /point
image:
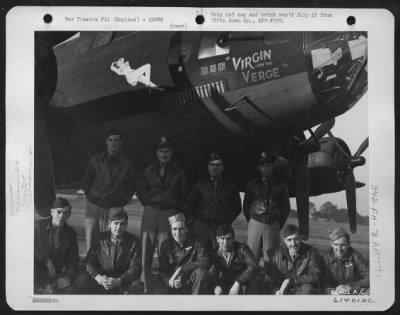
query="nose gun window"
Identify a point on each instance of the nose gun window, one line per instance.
(209, 46)
(324, 57)
(358, 47)
(337, 55)
(337, 63)
(332, 54)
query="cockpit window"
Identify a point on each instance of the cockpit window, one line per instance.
(209, 46)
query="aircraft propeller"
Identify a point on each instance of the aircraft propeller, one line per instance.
(349, 179)
(301, 174)
(302, 182)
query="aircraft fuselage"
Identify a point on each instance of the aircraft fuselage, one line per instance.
(236, 92)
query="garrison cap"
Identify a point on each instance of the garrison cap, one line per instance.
(265, 157)
(117, 214)
(338, 233)
(114, 132)
(179, 217)
(289, 229)
(214, 156)
(164, 142)
(60, 202)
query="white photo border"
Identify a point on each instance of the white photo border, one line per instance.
(23, 21)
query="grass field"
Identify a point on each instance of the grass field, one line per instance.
(318, 229)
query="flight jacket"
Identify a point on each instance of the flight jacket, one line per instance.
(190, 256)
(118, 260)
(164, 193)
(266, 201)
(352, 270)
(64, 254)
(216, 207)
(109, 182)
(305, 269)
(242, 266)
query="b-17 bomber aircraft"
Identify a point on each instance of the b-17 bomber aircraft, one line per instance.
(235, 92)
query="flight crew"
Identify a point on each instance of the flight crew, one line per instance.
(184, 262)
(296, 265)
(344, 269)
(113, 264)
(213, 201)
(108, 182)
(266, 206)
(294, 269)
(55, 251)
(162, 193)
(234, 270)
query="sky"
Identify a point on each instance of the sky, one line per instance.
(352, 127)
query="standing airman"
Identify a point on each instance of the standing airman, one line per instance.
(266, 204)
(214, 200)
(108, 182)
(162, 193)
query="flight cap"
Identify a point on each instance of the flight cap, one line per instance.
(289, 229)
(214, 156)
(60, 202)
(265, 157)
(117, 213)
(164, 142)
(338, 233)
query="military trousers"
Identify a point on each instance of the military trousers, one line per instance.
(85, 284)
(198, 282)
(154, 230)
(265, 236)
(43, 284)
(205, 233)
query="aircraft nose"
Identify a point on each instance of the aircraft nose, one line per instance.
(337, 67)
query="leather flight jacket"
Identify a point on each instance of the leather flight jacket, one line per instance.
(266, 201)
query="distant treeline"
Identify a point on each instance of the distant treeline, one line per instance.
(330, 212)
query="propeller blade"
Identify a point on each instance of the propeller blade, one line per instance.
(323, 129)
(351, 200)
(362, 148)
(302, 197)
(338, 145)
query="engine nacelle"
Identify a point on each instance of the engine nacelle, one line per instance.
(328, 166)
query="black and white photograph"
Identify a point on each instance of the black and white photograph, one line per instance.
(187, 163)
